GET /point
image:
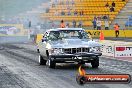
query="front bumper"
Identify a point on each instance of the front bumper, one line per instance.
(75, 57)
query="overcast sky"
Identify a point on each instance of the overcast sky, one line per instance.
(10, 8)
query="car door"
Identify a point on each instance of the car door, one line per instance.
(42, 46)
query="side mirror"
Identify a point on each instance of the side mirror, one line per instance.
(44, 39)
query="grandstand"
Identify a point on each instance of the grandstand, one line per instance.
(129, 21)
(124, 15)
(87, 10)
(90, 9)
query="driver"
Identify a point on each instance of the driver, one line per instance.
(72, 33)
(54, 35)
(57, 34)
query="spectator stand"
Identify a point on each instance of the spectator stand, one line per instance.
(85, 11)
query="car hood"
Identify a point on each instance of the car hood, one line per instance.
(73, 43)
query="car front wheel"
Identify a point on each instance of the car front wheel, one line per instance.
(51, 63)
(95, 63)
(41, 60)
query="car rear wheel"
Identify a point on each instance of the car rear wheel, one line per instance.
(95, 63)
(51, 63)
(41, 60)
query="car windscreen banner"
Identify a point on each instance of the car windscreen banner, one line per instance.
(123, 51)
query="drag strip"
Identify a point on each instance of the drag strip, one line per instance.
(20, 56)
(11, 80)
(22, 60)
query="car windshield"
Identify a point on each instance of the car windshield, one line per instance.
(67, 34)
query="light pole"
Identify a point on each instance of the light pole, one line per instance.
(29, 25)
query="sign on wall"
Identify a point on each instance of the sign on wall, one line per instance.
(123, 51)
(109, 33)
(11, 29)
(107, 50)
(8, 30)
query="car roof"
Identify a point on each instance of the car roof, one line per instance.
(57, 29)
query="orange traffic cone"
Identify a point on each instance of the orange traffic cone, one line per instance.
(101, 36)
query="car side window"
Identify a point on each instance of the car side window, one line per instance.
(46, 35)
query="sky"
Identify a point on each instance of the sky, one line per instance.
(10, 8)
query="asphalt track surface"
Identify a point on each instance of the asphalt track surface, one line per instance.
(19, 68)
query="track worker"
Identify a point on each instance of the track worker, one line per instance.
(116, 28)
(62, 25)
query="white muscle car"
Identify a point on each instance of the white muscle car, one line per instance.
(63, 45)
